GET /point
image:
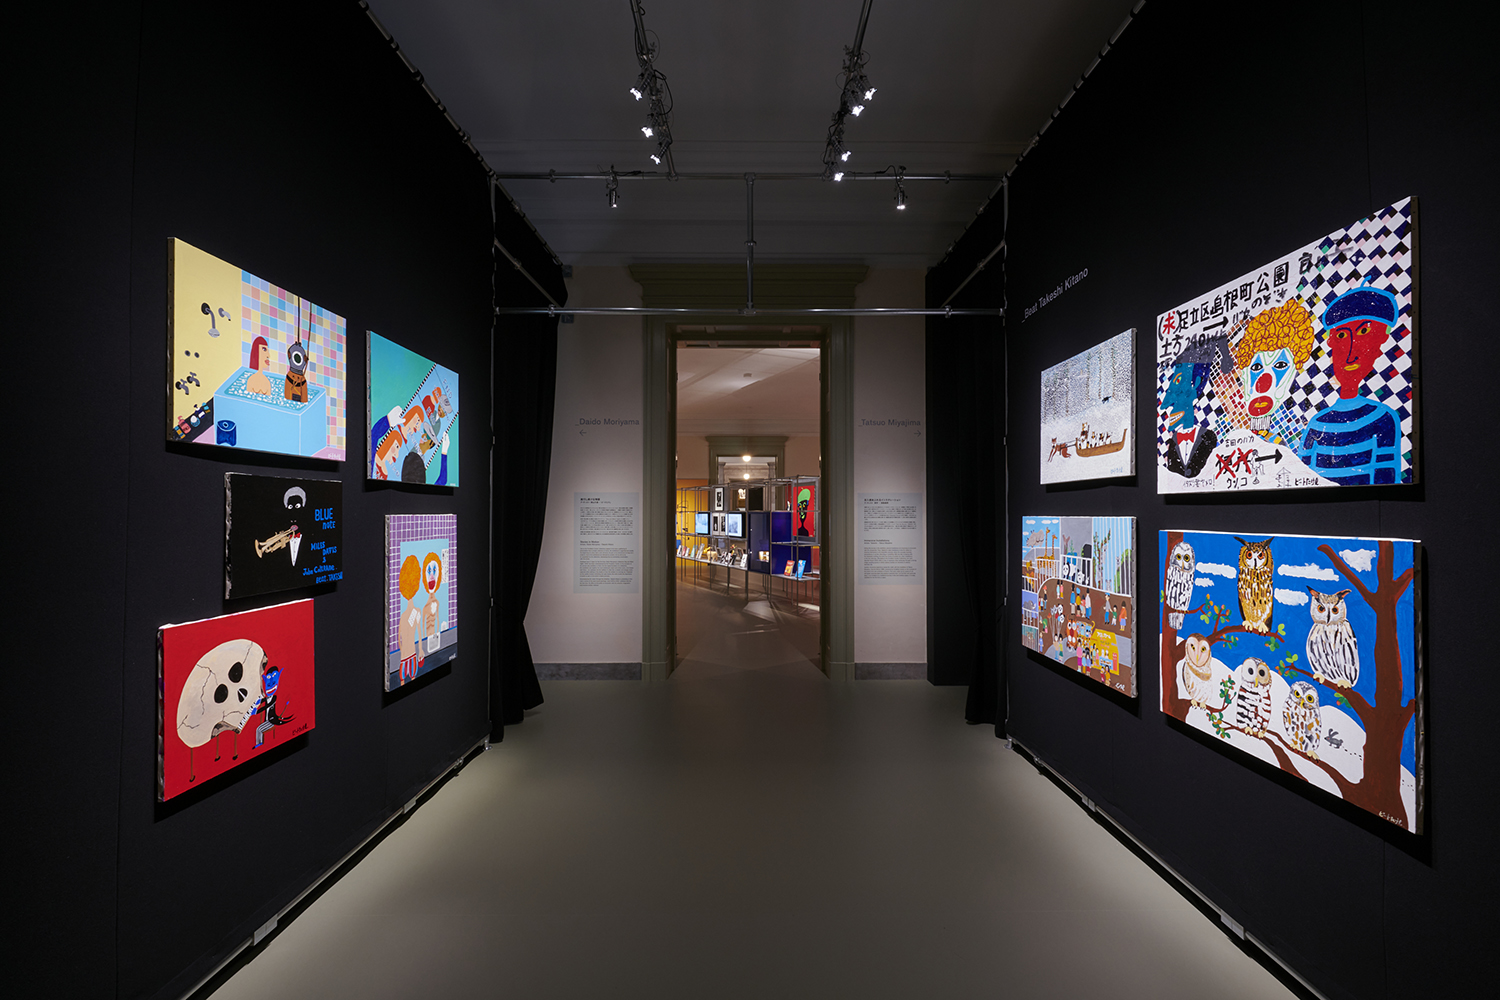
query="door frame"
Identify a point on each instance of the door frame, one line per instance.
(659, 484)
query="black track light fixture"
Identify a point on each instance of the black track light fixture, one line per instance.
(612, 189)
(651, 85)
(900, 189)
(855, 92)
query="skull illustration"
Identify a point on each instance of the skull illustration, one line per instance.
(221, 692)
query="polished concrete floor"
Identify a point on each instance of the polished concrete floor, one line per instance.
(749, 829)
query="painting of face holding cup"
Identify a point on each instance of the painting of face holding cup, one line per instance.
(421, 596)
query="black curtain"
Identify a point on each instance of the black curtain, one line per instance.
(525, 386)
(966, 475)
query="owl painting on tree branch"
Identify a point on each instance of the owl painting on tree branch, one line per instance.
(1325, 643)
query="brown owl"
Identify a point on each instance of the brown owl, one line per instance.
(1256, 597)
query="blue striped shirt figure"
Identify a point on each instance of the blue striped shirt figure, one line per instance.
(1355, 441)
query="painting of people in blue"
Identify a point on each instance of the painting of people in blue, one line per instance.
(413, 413)
(1300, 651)
(1298, 374)
(1354, 439)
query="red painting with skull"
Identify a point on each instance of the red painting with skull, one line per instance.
(230, 689)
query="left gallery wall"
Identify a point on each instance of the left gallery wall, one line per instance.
(293, 142)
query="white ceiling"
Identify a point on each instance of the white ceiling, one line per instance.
(733, 390)
(963, 86)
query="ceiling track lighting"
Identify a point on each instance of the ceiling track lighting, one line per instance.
(652, 86)
(855, 94)
(900, 189)
(612, 189)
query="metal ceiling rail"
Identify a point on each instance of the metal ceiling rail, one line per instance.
(946, 176)
(698, 311)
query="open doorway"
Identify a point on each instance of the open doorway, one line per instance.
(749, 406)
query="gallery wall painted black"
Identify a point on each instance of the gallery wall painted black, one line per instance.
(292, 141)
(1209, 140)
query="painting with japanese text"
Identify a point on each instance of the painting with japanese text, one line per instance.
(421, 620)
(1078, 595)
(1297, 374)
(1301, 651)
(1088, 413)
(413, 415)
(230, 689)
(252, 365)
(281, 533)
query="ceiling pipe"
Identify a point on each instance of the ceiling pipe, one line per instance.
(657, 175)
(696, 311)
(525, 273)
(749, 244)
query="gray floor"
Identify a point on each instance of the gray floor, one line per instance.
(750, 831)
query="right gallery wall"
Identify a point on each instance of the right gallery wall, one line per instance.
(1308, 742)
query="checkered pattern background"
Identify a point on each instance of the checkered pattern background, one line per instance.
(410, 528)
(1376, 251)
(271, 312)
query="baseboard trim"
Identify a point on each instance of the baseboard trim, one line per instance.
(890, 671)
(588, 671)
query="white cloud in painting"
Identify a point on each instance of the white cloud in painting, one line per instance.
(1293, 597)
(1359, 560)
(1203, 581)
(1227, 572)
(1307, 571)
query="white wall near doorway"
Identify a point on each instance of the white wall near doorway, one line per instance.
(600, 373)
(600, 376)
(890, 456)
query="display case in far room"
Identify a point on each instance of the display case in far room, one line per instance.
(768, 528)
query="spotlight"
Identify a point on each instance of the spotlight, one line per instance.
(844, 156)
(646, 131)
(900, 197)
(857, 110)
(635, 93)
(745, 457)
(838, 175)
(655, 159)
(870, 94)
(611, 190)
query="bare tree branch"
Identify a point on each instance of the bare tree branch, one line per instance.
(1349, 574)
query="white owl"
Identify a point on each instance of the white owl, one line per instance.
(1197, 670)
(1179, 583)
(1252, 696)
(1332, 649)
(1304, 718)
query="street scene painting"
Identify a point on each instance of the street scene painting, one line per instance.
(1298, 374)
(1301, 651)
(413, 412)
(1078, 595)
(230, 689)
(1088, 413)
(421, 620)
(251, 365)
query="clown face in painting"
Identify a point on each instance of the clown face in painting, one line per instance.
(1275, 346)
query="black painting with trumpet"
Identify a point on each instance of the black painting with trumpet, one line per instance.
(281, 533)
